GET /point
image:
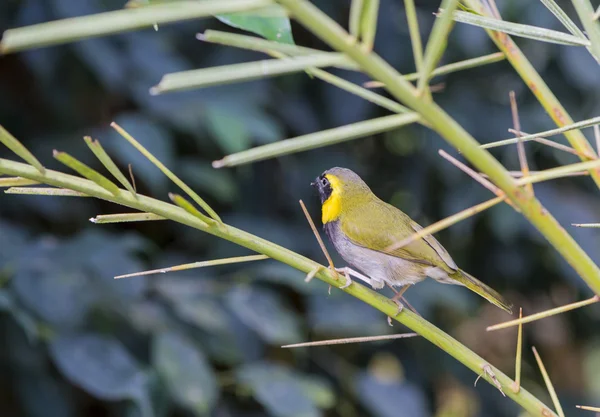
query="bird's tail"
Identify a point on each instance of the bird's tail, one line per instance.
(482, 289)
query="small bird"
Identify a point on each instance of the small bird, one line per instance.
(363, 229)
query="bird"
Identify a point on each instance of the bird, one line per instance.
(364, 229)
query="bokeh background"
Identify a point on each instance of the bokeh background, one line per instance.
(75, 342)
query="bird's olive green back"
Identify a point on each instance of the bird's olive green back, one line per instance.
(372, 223)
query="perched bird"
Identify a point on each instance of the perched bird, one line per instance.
(364, 229)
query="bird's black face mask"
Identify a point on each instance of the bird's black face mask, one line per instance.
(323, 187)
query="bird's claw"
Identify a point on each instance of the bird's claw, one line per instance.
(398, 311)
(344, 271)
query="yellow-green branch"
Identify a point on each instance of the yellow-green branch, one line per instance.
(279, 253)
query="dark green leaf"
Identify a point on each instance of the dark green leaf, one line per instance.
(186, 372)
(271, 23)
(266, 313)
(229, 131)
(53, 286)
(390, 398)
(99, 365)
(278, 389)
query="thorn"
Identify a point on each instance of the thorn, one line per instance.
(218, 164)
(201, 36)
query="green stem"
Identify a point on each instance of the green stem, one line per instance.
(318, 139)
(592, 27)
(257, 244)
(77, 28)
(436, 45)
(538, 87)
(415, 34)
(330, 32)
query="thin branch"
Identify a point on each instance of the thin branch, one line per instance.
(356, 8)
(436, 43)
(518, 360)
(445, 223)
(368, 24)
(556, 145)
(568, 128)
(476, 176)
(449, 68)
(559, 172)
(316, 233)
(132, 177)
(318, 139)
(16, 182)
(587, 225)
(520, 147)
(99, 24)
(108, 163)
(17, 147)
(86, 171)
(189, 207)
(415, 33)
(548, 382)
(125, 217)
(597, 137)
(48, 191)
(166, 171)
(352, 340)
(202, 264)
(586, 407)
(544, 314)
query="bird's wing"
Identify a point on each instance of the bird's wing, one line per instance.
(437, 246)
(387, 225)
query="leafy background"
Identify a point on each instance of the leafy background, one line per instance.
(76, 342)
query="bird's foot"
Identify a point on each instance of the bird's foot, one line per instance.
(348, 272)
(398, 311)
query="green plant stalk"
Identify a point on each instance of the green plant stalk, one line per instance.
(318, 139)
(77, 28)
(560, 14)
(17, 147)
(108, 163)
(227, 74)
(125, 217)
(544, 314)
(281, 254)
(16, 182)
(414, 32)
(548, 382)
(538, 87)
(436, 45)
(584, 123)
(586, 15)
(518, 29)
(174, 178)
(356, 8)
(254, 43)
(49, 191)
(194, 265)
(257, 44)
(352, 88)
(368, 23)
(330, 32)
(86, 171)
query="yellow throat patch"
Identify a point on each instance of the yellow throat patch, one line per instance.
(333, 205)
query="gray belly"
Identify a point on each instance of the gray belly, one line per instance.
(381, 268)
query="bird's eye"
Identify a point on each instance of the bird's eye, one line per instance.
(324, 181)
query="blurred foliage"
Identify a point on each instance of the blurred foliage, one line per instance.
(206, 342)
